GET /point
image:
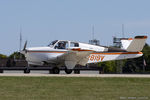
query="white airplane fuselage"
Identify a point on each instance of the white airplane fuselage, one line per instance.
(69, 54)
(50, 54)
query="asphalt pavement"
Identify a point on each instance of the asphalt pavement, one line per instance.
(63, 74)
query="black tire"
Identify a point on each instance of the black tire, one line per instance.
(55, 70)
(1, 71)
(50, 71)
(27, 70)
(77, 71)
(68, 71)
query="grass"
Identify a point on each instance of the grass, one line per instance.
(76, 88)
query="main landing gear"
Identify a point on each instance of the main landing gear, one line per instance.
(68, 71)
(56, 70)
(27, 71)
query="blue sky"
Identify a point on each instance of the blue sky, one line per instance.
(45, 20)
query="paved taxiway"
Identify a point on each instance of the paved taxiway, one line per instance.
(62, 74)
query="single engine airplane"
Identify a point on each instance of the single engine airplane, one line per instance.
(69, 54)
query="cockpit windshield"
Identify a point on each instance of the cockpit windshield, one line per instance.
(52, 43)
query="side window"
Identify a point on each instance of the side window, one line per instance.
(73, 44)
(61, 45)
(67, 45)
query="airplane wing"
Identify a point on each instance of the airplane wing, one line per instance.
(75, 56)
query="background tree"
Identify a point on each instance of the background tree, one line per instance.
(3, 56)
(17, 55)
(136, 64)
(108, 67)
(146, 54)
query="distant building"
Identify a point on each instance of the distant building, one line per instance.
(94, 42)
(117, 41)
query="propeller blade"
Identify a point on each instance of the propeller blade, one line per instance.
(24, 48)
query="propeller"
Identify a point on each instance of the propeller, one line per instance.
(24, 48)
(24, 51)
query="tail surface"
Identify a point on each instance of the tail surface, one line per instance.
(125, 42)
(134, 45)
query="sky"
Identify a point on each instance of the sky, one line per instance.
(42, 21)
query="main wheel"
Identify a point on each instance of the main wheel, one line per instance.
(68, 71)
(27, 70)
(77, 71)
(55, 70)
(1, 71)
(50, 71)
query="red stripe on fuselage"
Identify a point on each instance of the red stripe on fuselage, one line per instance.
(118, 53)
(47, 51)
(102, 53)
